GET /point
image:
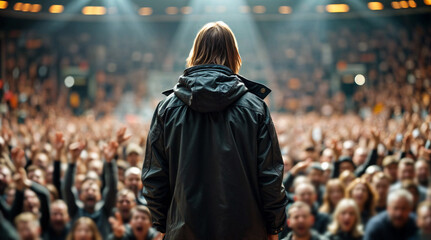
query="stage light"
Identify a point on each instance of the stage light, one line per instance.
(404, 4)
(17, 6)
(285, 10)
(186, 10)
(259, 9)
(375, 6)
(337, 8)
(56, 9)
(94, 10)
(360, 79)
(145, 11)
(246, 9)
(395, 5)
(427, 2)
(412, 4)
(35, 8)
(26, 7)
(3, 4)
(69, 81)
(171, 10)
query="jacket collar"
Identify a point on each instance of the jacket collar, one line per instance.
(257, 89)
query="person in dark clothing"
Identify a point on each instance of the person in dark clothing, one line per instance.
(37, 201)
(133, 182)
(300, 221)
(315, 174)
(56, 174)
(213, 167)
(423, 221)
(305, 192)
(295, 172)
(396, 222)
(406, 171)
(346, 162)
(94, 207)
(381, 183)
(126, 201)
(21, 182)
(139, 227)
(60, 221)
(346, 224)
(7, 230)
(5, 179)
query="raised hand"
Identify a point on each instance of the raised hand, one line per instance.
(390, 142)
(75, 150)
(301, 166)
(59, 144)
(7, 135)
(117, 226)
(375, 138)
(18, 158)
(21, 180)
(407, 141)
(334, 146)
(110, 150)
(121, 136)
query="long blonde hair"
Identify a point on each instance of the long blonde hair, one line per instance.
(215, 43)
(345, 203)
(373, 197)
(328, 206)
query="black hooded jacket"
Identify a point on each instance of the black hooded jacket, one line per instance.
(213, 167)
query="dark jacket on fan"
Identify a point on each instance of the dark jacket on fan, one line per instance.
(340, 235)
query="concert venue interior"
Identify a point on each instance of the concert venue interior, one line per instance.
(350, 100)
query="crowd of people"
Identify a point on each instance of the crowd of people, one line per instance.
(347, 175)
(302, 67)
(347, 178)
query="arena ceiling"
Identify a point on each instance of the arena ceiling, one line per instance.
(174, 9)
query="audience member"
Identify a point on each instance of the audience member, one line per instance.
(396, 222)
(84, 229)
(346, 223)
(300, 221)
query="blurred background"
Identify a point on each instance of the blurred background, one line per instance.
(115, 57)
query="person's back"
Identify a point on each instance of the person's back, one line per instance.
(213, 168)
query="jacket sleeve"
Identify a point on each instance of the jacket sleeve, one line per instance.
(270, 176)
(44, 198)
(68, 195)
(371, 160)
(10, 212)
(56, 178)
(155, 176)
(371, 233)
(110, 191)
(288, 182)
(336, 169)
(17, 205)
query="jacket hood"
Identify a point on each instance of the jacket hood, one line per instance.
(212, 88)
